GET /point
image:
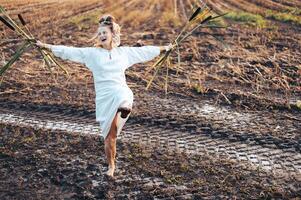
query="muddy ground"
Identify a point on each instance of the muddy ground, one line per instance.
(39, 164)
(247, 95)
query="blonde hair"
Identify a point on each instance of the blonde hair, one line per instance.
(108, 20)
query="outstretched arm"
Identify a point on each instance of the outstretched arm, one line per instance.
(75, 54)
(144, 53)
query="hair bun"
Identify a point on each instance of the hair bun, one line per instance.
(106, 19)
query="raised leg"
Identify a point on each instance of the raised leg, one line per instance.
(110, 147)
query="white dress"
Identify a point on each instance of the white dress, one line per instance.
(108, 68)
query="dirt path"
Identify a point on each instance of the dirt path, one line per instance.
(45, 149)
(200, 128)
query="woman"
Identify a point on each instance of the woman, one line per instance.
(108, 63)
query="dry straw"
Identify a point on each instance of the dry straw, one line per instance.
(200, 18)
(28, 41)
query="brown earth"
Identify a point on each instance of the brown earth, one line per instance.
(39, 164)
(260, 76)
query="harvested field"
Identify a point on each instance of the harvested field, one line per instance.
(229, 126)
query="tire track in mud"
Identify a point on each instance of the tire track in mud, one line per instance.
(151, 135)
(203, 117)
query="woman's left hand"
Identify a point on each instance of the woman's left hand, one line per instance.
(169, 47)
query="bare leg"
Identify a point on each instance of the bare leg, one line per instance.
(110, 147)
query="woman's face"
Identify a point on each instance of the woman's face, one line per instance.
(105, 35)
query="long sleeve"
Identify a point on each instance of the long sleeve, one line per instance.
(141, 54)
(75, 54)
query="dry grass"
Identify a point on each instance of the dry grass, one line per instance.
(261, 59)
(170, 19)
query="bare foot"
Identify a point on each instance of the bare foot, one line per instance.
(110, 172)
